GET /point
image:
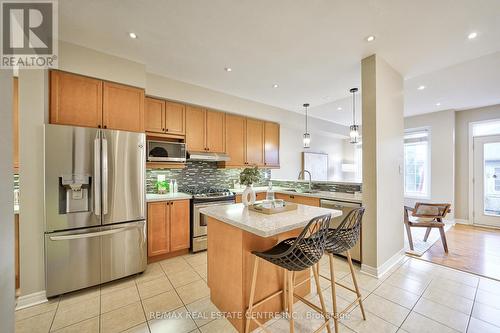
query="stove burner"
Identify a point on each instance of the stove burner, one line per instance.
(206, 192)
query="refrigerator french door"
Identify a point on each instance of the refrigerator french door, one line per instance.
(95, 228)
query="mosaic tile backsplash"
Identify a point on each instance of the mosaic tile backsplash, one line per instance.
(201, 174)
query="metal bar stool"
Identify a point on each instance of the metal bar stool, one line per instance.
(294, 254)
(340, 240)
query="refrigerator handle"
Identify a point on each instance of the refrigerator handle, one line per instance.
(104, 175)
(97, 175)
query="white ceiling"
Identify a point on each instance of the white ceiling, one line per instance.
(311, 48)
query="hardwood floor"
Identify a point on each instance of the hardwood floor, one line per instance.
(472, 249)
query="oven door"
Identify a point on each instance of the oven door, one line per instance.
(200, 220)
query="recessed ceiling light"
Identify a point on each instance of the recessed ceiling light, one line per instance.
(228, 69)
(472, 35)
(275, 85)
(132, 35)
(421, 87)
(370, 38)
(438, 104)
(339, 108)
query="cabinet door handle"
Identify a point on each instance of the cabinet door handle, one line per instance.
(166, 129)
(98, 126)
(105, 126)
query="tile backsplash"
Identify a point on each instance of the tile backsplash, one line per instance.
(200, 174)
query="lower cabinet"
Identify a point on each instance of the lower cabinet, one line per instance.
(168, 227)
(300, 199)
(258, 196)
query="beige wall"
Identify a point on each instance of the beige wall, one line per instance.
(7, 298)
(383, 127)
(462, 121)
(442, 143)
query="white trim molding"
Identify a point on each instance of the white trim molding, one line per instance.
(463, 221)
(31, 299)
(385, 267)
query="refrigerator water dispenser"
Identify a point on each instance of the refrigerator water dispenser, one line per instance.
(74, 194)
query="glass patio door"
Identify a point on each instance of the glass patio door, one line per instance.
(487, 180)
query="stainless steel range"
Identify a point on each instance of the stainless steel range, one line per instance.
(204, 197)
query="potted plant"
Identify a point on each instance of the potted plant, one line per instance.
(248, 177)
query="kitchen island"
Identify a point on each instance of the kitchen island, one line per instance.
(234, 232)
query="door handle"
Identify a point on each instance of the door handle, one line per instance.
(104, 175)
(90, 234)
(97, 175)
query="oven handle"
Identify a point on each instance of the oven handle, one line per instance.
(216, 203)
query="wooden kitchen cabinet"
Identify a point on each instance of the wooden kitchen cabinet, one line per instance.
(254, 142)
(195, 128)
(175, 118)
(300, 199)
(271, 144)
(215, 125)
(123, 107)
(75, 100)
(168, 228)
(235, 140)
(154, 115)
(15, 123)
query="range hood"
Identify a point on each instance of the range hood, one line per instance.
(204, 156)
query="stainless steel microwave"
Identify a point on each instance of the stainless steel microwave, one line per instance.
(166, 151)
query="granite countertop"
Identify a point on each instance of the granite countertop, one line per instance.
(150, 197)
(264, 225)
(320, 194)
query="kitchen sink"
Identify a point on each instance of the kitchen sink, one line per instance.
(302, 191)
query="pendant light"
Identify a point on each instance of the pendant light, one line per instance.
(307, 137)
(354, 129)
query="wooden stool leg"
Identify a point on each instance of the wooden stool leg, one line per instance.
(285, 294)
(249, 314)
(351, 267)
(427, 233)
(290, 301)
(443, 239)
(321, 300)
(408, 233)
(334, 294)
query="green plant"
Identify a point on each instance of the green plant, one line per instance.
(249, 176)
(162, 186)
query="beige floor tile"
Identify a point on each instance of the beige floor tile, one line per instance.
(443, 314)
(123, 318)
(203, 311)
(397, 295)
(461, 277)
(35, 324)
(193, 291)
(450, 300)
(488, 297)
(87, 326)
(154, 287)
(141, 328)
(68, 314)
(366, 282)
(201, 270)
(117, 299)
(80, 295)
(221, 325)
(176, 265)
(406, 283)
(486, 313)
(372, 324)
(416, 323)
(117, 285)
(196, 259)
(387, 310)
(182, 278)
(453, 287)
(161, 303)
(153, 271)
(479, 326)
(489, 285)
(177, 321)
(49, 306)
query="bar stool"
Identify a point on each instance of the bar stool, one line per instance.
(340, 240)
(294, 254)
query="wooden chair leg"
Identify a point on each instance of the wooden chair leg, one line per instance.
(334, 294)
(321, 299)
(249, 314)
(351, 267)
(285, 294)
(290, 301)
(443, 239)
(427, 233)
(410, 239)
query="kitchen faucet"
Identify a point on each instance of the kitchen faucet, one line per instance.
(302, 173)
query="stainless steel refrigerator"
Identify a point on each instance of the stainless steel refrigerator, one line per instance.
(95, 228)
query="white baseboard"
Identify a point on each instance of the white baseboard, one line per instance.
(31, 299)
(462, 221)
(385, 267)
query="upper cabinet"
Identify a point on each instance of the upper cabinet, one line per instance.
(205, 130)
(271, 144)
(82, 101)
(254, 142)
(15, 123)
(123, 107)
(164, 117)
(235, 140)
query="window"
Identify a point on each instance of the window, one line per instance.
(417, 164)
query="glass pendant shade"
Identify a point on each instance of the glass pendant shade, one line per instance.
(354, 133)
(354, 129)
(307, 140)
